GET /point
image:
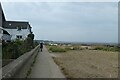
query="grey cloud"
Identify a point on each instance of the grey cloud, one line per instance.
(89, 22)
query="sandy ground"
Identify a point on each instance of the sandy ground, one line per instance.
(88, 63)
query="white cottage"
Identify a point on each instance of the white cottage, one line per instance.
(17, 29)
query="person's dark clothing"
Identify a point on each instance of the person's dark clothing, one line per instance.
(41, 46)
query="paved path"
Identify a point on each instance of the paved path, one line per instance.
(45, 67)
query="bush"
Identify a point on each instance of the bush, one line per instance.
(68, 48)
(14, 49)
(98, 48)
(76, 48)
(106, 48)
(11, 50)
(57, 49)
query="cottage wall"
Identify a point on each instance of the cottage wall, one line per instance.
(0, 22)
(16, 32)
(1, 34)
(6, 37)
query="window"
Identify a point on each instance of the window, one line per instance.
(19, 28)
(9, 24)
(19, 37)
(0, 31)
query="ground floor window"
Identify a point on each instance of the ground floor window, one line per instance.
(19, 36)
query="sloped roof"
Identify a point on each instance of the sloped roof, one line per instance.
(4, 31)
(15, 24)
(2, 17)
(1, 11)
(12, 24)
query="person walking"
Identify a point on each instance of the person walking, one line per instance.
(41, 46)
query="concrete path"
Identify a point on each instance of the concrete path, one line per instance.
(45, 67)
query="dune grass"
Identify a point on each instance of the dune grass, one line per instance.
(57, 49)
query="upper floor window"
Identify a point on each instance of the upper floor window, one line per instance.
(0, 31)
(9, 24)
(19, 28)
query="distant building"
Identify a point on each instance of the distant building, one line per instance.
(18, 29)
(53, 44)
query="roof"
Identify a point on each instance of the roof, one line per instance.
(15, 24)
(1, 12)
(12, 24)
(2, 17)
(4, 31)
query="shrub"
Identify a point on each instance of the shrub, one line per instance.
(68, 48)
(14, 49)
(11, 50)
(57, 49)
(106, 48)
(98, 48)
(76, 48)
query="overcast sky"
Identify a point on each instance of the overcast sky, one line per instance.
(68, 21)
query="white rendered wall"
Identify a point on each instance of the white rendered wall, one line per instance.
(1, 34)
(6, 37)
(14, 32)
(0, 16)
